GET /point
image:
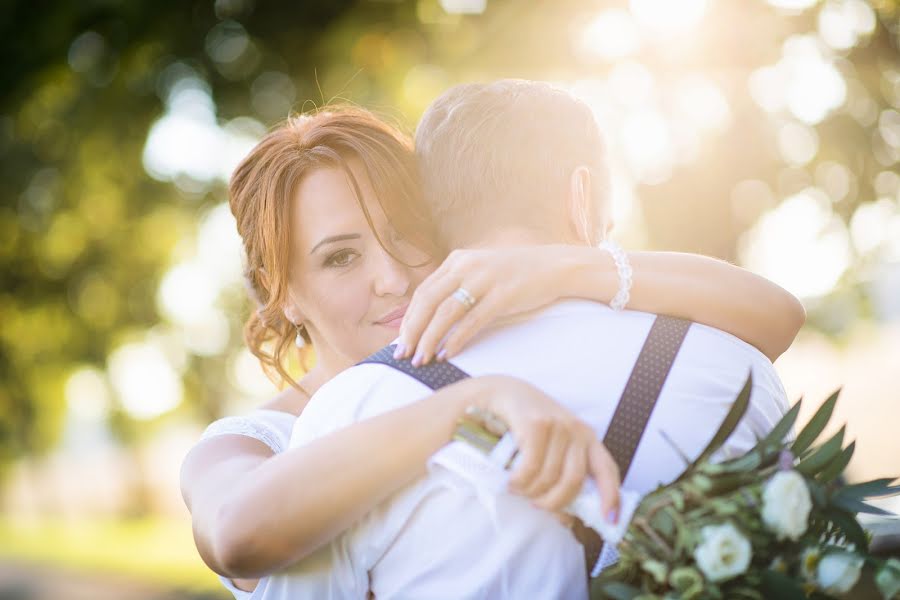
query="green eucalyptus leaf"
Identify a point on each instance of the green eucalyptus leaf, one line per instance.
(730, 423)
(822, 455)
(888, 579)
(657, 569)
(614, 590)
(816, 425)
(836, 467)
(817, 493)
(662, 523)
(778, 586)
(687, 581)
(681, 453)
(875, 488)
(776, 437)
(853, 505)
(850, 528)
(747, 462)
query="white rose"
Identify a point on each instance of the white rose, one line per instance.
(838, 572)
(809, 562)
(724, 552)
(786, 505)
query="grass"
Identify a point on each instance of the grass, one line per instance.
(150, 550)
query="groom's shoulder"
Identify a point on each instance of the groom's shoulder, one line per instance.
(358, 392)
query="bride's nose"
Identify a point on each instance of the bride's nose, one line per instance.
(391, 277)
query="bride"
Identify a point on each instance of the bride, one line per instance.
(337, 242)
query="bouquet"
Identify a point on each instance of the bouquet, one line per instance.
(776, 523)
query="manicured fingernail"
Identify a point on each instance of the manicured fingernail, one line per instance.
(399, 351)
(613, 516)
(442, 355)
(417, 359)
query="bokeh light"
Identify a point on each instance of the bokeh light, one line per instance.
(800, 245)
(144, 379)
(764, 133)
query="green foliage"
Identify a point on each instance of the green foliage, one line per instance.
(667, 527)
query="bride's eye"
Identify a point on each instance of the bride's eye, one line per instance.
(341, 258)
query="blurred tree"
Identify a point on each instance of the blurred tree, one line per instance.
(86, 234)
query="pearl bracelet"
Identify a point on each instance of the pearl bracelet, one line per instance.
(623, 268)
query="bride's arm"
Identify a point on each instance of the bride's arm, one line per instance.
(254, 512)
(512, 280)
(704, 290)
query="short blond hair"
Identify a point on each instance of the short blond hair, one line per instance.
(501, 154)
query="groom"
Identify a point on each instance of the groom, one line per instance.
(516, 163)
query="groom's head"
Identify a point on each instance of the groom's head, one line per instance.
(513, 155)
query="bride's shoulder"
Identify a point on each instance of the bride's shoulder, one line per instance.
(269, 423)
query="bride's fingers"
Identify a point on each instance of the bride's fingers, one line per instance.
(570, 481)
(425, 301)
(552, 466)
(446, 315)
(533, 446)
(606, 474)
(471, 324)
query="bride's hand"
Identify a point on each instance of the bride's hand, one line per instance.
(502, 282)
(556, 449)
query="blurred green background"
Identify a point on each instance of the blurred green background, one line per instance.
(763, 132)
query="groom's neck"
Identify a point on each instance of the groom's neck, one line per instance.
(503, 238)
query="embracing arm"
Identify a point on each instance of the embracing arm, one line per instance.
(698, 288)
(506, 281)
(254, 512)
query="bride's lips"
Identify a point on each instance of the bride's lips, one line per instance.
(394, 318)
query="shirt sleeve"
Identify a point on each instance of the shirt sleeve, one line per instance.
(357, 394)
(338, 403)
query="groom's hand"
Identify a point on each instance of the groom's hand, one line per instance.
(556, 449)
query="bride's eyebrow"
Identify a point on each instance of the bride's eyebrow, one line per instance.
(335, 238)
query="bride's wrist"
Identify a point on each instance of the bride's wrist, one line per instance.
(624, 274)
(593, 275)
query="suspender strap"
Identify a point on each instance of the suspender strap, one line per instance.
(643, 388)
(634, 409)
(435, 374)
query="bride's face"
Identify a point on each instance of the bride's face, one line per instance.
(348, 291)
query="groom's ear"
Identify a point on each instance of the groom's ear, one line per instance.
(581, 207)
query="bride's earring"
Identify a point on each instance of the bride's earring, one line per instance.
(299, 341)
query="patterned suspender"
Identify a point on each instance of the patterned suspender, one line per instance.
(629, 420)
(435, 374)
(634, 409)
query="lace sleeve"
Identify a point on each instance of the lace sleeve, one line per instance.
(256, 428)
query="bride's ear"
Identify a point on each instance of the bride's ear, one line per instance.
(292, 312)
(582, 215)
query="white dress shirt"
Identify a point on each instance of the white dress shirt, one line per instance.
(437, 539)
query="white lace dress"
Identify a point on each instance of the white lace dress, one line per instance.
(272, 428)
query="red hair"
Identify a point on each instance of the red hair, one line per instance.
(261, 192)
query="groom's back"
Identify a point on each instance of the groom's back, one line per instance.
(581, 354)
